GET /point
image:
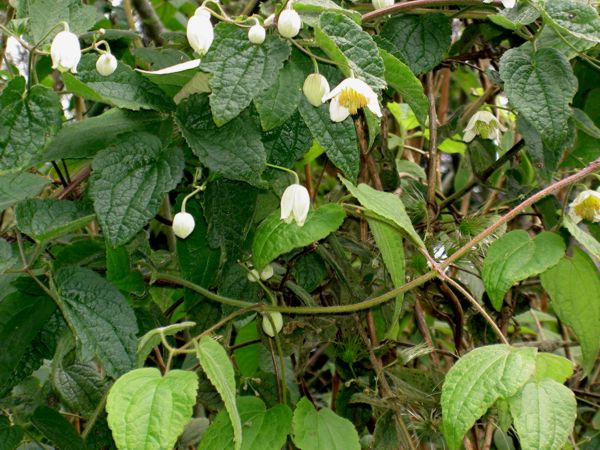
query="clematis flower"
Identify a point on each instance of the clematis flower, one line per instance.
(200, 33)
(257, 34)
(349, 96)
(378, 4)
(484, 124)
(183, 224)
(586, 206)
(267, 326)
(65, 52)
(506, 3)
(295, 203)
(106, 64)
(315, 88)
(289, 23)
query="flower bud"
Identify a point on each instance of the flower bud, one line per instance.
(289, 23)
(183, 224)
(106, 64)
(378, 4)
(315, 88)
(267, 326)
(267, 272)
(200, 33)
(257, 34)
(253, 276)
(65, 52)
(295, 203)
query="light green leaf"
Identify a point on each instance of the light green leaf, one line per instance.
(17, 187)
(128, 182)
(263, 429)
(476, 381)
(544, 413)
(322, 430)
(27, 123)
(274, 237)
(45, 219)
(233, 150)
(56, 429)
(420, 41)
(345, 42)
(574, 288)
(84, 138)
(99, 316)
(337, 138)
(219, 370)
(152, 338)
(516, 17)
(587, 240)
(515, 257)
(385, 205)
(241, 70)
(576, 18)
(540, 85)
(124, 88)
(147, 411)
(399, 77)
(548, 365)
(569, 46)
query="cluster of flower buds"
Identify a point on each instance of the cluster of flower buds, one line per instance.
(254, 275)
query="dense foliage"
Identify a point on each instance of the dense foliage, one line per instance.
(312, 224)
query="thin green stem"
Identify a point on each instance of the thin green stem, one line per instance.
(285, 169)
(190, 195)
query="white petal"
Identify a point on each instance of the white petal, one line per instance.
(374, 107)
(173, 69)
(468, 136)
(509, 3)
(337, 112)
(301, 204)
(287, 203)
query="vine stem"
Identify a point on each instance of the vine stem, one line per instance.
(435, 272)
(405, 6)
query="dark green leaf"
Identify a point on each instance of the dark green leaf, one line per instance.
(8, 256)
(80, 386)
(57, 429)
(120, 274)
(288, 143)
(573, 17)
(17, 187)
(10, 436)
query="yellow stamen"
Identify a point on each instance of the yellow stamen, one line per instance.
(352, 100)
(588, 208)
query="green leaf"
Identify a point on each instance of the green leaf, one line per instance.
(476, 381)
(241, 70)
(149, 411)
(577, 18)
(516, 17)
(345, 42)
(57, 429)
(574, 288)
(84, 138)
(22, 317)
(124, 88)
(99, 316)
(80, 386)
(27, 123)
(337, 138)
(322, 430)
(17, 187)
(10, 436)
(46, 219)
(263, 429)
(153, 338)
(544, 413)
(515, 257)
(419, 41)
(584, 123)
(120, 273)
(399, 77)
(385, 205)
(548, 365)
(310, 10)
(8, 256)
(587, 240)
(128, 182)
(219, 370)
(288, 143)
(274, 237)
(234, 150)
(277, 104)
(540, 85)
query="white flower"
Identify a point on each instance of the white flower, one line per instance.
(315, 88)
(183, 224)
(267, 326)
(506, 3)
(106, 64)
(289, 23)
(65, 51)
(484, 124)
(200, 33)
(349, 96)
(378, 4)
(257, 34)
(586, 206)
(295, 203)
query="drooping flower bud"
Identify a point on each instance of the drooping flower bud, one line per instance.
(257, 34)
(200, 32)
(295, 203)
(267, 272)
(586, 206)
(315, 88)
(253, 276)
(378, 4)
(289, 23)
(65, 51)
(183, 224)
(267, 326)
(106, 64)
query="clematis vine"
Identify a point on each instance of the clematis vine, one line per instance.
(484, 124)
(348, 97)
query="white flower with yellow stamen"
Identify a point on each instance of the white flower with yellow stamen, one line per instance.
(349, 96)
(484, 124)
(586, 206)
